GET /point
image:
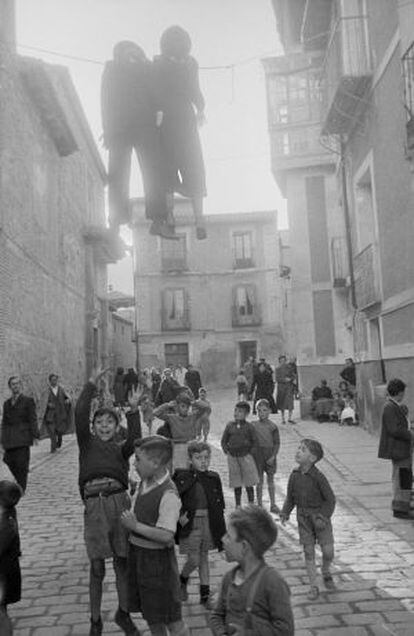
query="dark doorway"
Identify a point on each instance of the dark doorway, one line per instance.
(247, 349)
(176, 353)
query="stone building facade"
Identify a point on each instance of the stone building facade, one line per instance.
(361, 53)
(54, 246)
(211, 303)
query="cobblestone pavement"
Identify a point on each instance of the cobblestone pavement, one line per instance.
(374, 565)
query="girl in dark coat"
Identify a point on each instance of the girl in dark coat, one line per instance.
(10, 576)
(181, 102)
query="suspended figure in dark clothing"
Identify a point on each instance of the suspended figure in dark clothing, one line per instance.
(129, 120)
(181, 102)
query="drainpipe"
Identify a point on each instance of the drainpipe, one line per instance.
(347, 225)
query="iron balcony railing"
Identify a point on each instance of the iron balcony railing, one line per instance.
(346, 71)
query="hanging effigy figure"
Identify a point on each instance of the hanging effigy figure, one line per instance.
(129, 120)
(181, 102)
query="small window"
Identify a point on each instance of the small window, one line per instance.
(245, 307)
(175, 309)
(174, 254)
(242, 250)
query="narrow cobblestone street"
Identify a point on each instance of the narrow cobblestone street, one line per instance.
(374, 565)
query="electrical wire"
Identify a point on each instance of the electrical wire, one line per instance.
(78, 58)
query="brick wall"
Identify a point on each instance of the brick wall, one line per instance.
(45, 202)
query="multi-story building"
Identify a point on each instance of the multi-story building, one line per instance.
(54, 246)
(360, 55)
(212, 303)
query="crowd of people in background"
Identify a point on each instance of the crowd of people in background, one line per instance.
(133, 515)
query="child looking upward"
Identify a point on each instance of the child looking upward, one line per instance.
(254, 598)
(103, 483)
(154, 583)
(265, 452)
(201, 525)
(238, 442)
(309, 490)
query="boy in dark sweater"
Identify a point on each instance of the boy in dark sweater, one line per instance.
(238, 443)
(309, 490)
(201, 524)
(103, 483)
(180, 426)
(154, 584)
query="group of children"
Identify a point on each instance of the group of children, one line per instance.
(186, 506)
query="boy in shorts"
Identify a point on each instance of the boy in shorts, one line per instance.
(154, 583)
(254, 598)
(201, 524)
(309, 490)
(103, 483)
(265, 452)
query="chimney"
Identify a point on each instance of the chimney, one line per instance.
(7, 27)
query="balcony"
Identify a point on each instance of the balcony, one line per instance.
(340, 268)
(251, 319)
(346, 75)
(290, 145)
(366, 278)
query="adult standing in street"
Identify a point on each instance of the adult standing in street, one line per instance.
(19, 431)
(396, 444)
(192, 379)
(130, 382)
(57, 414)
(285, 389)
(249, 368)
(118, 388)
(263, 386)
(348, 373)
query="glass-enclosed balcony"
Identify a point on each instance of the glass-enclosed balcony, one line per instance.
(346, 74)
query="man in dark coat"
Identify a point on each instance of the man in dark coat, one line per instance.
(129, 121)
(192, 379)
(56, 417)
(396, 444)
(19, 431)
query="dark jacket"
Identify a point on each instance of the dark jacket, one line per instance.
(98, 458)
(185, 480)
(19, 423)
(395, 438)
(168, 391)
(127, 100)
(57, 410)
(10, 577)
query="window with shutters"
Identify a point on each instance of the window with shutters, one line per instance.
(175, 310)
(245, 310)
(242, 250)
(174, 254)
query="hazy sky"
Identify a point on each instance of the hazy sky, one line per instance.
(224, 32)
